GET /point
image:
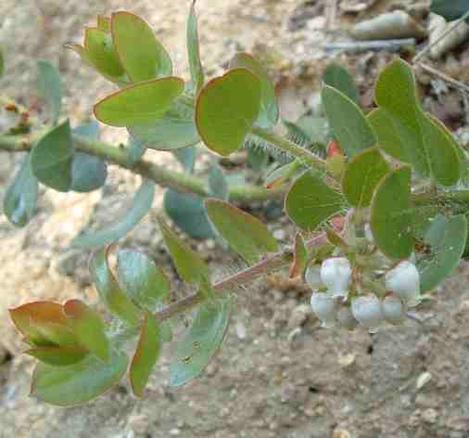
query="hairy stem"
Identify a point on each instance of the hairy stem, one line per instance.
(228, 284)
(304, 155)
(163, 176)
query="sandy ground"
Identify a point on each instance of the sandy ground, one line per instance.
(278, 374)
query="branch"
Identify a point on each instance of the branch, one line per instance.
(163, 176)
(228, 284)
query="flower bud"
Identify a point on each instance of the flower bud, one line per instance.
(404, 281)
(336, 274)
(324, 307)
(367, 311)
(345, 318)
(313, 276)
(393, 309)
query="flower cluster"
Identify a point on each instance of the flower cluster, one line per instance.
(339, 299)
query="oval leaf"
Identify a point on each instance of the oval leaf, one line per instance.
(311, 202)
(347, 121)
(339, 78)
(421, 141)
(146, 355)
(88, 327)
(141, 205)
(142, 280)
(110, 292)
(190, 267)
(226, 110)
(141, 54)
(391, 214)
(450, 10)
(43, 323)
(58, 356)
(269, 112)
(187, 211)
(362, 175)
(19, 203)
(446, 239)
(195, 350)
(174, 130)
(140, 103)
(247, 235)
(51, 158)
(78, 383)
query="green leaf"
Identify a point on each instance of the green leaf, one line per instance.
(310, 202)
(136, 149)
(269, 112)
(300, 257)
(339, 78)
(217, 183)
(141, 103)
(78, 383)
(362, 175)
(174, 130)
(446, 238)
(43, 323)
(415, 138)
(347, 121)
(190, 267)
(186, 157)
(50, 88)
(51, 158)
(99, 51)
(192, 36)
(88, 327)
(141, 205)
(141, 54)
(142, 280)
(110, 292)
(246, 234)
(146, 355)
(450, 9)
(19, 203)
(88, 173)
(58, 356)
(196, 349)
(227, 108)
(391, 214)
(187, 211)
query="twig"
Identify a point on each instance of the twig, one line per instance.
(228, 284)
(451, 81)
(363, 46)
(451, 29)
(161, 175)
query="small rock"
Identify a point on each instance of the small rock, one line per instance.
(341, 433)
(429, 416)
(240, 330)
(423, 379)
(280, 234)
(346, 360)
(299, 316)
(175, 432)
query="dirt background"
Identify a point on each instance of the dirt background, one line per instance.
(278, 374)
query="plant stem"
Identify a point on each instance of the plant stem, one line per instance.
(163, 176)
(229, 284)
(304, 155)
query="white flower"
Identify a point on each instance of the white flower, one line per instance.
(324, 307)
(345, 318)
(367, 311)
(404, 281)
(393, 309)
(336, 274)
(313, 276)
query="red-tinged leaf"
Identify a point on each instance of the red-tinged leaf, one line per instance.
(88, 328)
(300, 257)
(333, 149)
(115, 299)
(43, 323)
(58, 356)
(146, 355)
